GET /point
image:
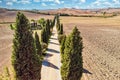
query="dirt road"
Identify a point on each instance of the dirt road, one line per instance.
(51, 63)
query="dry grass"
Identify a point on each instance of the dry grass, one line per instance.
(92, 20)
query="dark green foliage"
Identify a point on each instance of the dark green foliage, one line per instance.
(33, 24)
(62, 47)
(59, 26)
(11, 26)
(48, 27)
(63, 14)
(25, 61)
(38, 48)
(42, 22)
(72, 66)
(53, 23)
(60, 29)
(57, 23)
(38, 45)
(61, 37)
(44, 48)
(44, 34)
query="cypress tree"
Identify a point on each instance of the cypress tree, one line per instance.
(53, 22)
(48, 28)
(44, 36)
(72, 66)
(58, 23)
(62, 47)
(24, 58)
(38, 49)
(60, 29)
(38, 45)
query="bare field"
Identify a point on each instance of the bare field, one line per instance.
(101, 38)
(6, 36)
(10, 16)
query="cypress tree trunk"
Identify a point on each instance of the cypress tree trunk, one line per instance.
(72, 66)
(24, 58)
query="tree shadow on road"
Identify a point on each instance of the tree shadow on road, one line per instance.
(52, 50)
(86, 71)
(53, 33)
(48, 64)
(54, 43)
(54, 38)
(48, 55)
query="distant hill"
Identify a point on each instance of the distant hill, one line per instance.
(74, 11)
(66, 11)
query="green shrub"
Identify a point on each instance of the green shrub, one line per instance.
(44, 47)
(61, 37)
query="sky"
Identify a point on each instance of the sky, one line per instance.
(55, 4)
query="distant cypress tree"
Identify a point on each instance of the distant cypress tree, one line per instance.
(62, 47)
(38, 49)
(60, 29)
(24, 58)
(44, 37)
(58, 22)
(38, 45)
(48, 27)
(53, 22)
(72, 66)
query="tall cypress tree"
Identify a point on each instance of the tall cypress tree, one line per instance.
(62, 47)
(38, 45)
(48, 28)
(60, 29)
(24, 58)
(72, 66)
(44, 37)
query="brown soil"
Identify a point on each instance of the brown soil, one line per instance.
(101, 53)
(6, 36)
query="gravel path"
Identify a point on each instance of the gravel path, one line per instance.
(51, 63)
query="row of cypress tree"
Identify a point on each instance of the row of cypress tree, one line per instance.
(25, 60)
(27, 51)
(47, 31)
(71, 53)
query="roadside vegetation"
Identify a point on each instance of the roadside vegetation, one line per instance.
(28, 48)
(71, 53)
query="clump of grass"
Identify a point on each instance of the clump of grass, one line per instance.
(5, 75)
(8, 74)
